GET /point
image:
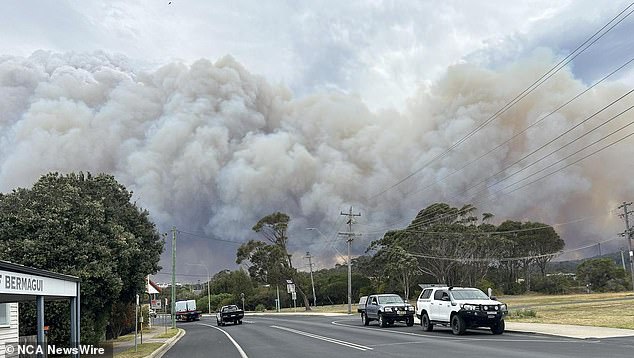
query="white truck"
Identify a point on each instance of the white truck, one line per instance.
(459, 308)
(186, 311)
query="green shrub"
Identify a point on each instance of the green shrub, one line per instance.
(260, 308)
(555, 284)
(523, 313)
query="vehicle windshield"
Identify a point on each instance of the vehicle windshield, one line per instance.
(471, 294)
(390, 299)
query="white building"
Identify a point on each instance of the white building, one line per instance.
(20, 283)
(8, 326)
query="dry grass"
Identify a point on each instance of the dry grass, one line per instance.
(579, 309)
(534, 300)
(619, 314)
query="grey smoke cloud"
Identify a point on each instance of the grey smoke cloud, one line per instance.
(211, 147)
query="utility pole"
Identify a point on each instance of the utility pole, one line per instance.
(312, 282)
(622, 259)
(628, 236)
(173, 303)
(349, 237)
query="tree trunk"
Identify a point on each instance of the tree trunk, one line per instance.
(306, 302)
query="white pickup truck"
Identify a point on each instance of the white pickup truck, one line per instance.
(460, 308)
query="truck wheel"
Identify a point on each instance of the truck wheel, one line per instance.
(382, 321)
(240, 322)
(218, 323)
(458, 326)
(498, 328)
(425, 323)
(366, 320)
(410, 322)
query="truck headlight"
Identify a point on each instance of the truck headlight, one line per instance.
(469, 307)
(503, 307)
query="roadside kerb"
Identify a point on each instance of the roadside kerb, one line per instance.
(167, 345)
(567, 330)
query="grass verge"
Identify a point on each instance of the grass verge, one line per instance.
(143, 350)
(598, 314)
(169, 334)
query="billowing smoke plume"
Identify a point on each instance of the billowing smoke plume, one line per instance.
(211, 148)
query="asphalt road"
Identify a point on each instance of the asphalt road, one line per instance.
(329, 337)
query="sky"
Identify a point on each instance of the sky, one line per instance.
(216, 113)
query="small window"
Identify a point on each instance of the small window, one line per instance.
(5, 314)
(426, 294)
(438, 295)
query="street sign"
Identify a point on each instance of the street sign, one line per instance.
(290, 288)
(155, 304)
(294, 295)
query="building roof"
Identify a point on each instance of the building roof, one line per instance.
(9, 266)
(152, 287)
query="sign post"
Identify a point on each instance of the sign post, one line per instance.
(165, 316)
(136, 321)
(290, 288)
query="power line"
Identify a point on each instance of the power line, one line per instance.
(556, 171)
(521, 95)
(504, 259)
(179, 274)
(524, 130)
(543, 146)
(201, 236)
(489, 233)
(553, 140)
(568, 165)
(551, 165)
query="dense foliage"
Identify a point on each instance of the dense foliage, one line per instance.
(444, 244)
(85, 226)
(269, 261)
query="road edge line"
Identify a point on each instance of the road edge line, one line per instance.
(325, 339)
(240, 350)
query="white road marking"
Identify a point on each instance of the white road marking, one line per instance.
(242, 354)
(326, 339)
(429, 336)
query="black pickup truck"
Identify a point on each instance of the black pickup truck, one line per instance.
(230, 313)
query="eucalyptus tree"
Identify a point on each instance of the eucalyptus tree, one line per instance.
(269, 261)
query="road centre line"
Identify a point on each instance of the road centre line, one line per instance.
(428, 336)
(326, 339)
(240, 350)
